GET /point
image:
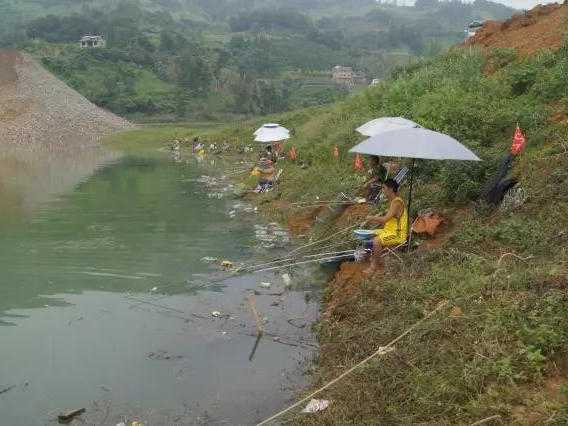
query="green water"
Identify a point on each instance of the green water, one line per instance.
(106, 304)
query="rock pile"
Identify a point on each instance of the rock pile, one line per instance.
(37, 109)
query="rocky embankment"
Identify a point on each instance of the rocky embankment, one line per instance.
(37, 109)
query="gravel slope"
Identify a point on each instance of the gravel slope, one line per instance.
(36, 108)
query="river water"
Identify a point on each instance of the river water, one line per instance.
(106, 303)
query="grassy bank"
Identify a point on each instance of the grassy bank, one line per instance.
(501, 347)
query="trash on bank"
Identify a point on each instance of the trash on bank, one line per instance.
(68, 416)
(265, 285)
(316, 405)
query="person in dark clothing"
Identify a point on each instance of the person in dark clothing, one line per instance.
(270, 154)
(377, 175)
(500, 184)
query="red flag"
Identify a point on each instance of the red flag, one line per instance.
(336, 151)
(519, 142)
(292, 155)
(358, 163)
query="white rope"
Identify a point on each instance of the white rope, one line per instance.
(381, 351)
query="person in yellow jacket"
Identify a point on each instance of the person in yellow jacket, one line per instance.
(395, 225)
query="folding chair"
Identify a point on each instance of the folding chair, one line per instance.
(398, 178)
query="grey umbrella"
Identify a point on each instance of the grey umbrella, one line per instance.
(385, 124)
(415, 143)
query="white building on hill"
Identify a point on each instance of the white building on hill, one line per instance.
(92, 41)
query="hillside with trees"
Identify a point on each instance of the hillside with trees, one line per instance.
(206, 59)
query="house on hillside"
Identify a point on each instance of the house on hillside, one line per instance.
(92, 41)
(342, 75)
(346, 77)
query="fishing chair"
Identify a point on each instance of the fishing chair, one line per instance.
(399, 178)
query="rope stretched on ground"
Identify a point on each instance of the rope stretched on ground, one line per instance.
(380, 351)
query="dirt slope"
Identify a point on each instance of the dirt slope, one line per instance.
(543, 27)
(37, 109)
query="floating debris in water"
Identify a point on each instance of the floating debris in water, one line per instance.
(239, 208)
(216, 314)
(217, 195)
(287, 280)
(227, 264)
(208, 259)
(271, 236)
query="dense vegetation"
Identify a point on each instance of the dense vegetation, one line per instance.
(501, 346)
(201, 58)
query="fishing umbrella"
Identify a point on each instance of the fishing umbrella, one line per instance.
(385, 124)
(271, 132)
(415, 143)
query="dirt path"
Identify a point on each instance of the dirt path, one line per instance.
(38, 110)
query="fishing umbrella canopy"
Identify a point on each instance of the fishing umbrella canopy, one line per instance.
(385, 124)
(415, 143)
(271, 132)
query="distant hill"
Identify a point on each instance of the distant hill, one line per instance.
(211, 57)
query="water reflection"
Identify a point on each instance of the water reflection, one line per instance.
(100, 280)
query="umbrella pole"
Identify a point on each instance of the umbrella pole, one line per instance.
(409, 230)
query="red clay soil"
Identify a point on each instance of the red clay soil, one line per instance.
(301, 223)
(353, 214)
(543, 27)
(345, 285)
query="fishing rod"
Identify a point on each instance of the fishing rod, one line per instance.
(324, 239)
(335, 253)
(298, 263)
(290, 254)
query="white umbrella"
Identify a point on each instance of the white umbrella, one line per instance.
(385, 124)
(415, 143)
(271, 132)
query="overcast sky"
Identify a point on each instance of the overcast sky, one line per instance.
(523, 4)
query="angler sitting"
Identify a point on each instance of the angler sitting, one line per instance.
(395, 225)
(265, 172)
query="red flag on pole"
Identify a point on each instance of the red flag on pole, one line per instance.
(519, 142)
(358, 163)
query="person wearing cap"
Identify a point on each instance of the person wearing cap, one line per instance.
(395, 225)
